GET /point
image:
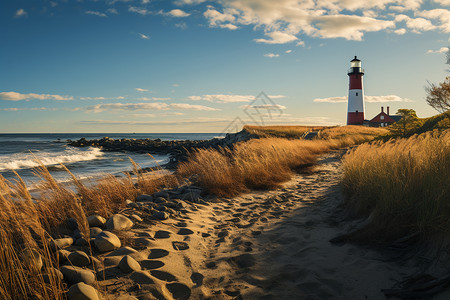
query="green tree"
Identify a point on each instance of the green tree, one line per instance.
(407, 124)
(438, 95)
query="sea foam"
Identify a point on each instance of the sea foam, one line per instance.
(28, 160)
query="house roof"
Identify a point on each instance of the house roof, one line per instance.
(386, 118)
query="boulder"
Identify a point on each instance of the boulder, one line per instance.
(94, 231)
(79, 259)
(136, 218)
(119, 222)
(144, 198)
(96, 221)
(61, 243)
(82, 291)
(81, 242)
(128, 264)
(63, 255)
(161, 194)
(160, 200)
(161, 215)
(55, 274)
(107, 241)
(74, 275)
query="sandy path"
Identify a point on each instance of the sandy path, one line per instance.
(261, 245)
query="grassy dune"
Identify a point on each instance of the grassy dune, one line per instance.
(266, 163)
(403, 185)
(287, 132)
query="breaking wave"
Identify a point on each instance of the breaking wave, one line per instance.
(25, 161)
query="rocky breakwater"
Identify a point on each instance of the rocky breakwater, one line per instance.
(176, 149)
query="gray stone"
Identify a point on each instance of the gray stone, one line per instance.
(129, 264)
(160, 200)
(96, 221)
(74, 275)
(33, 259)
(107, 241)
(82, 291)
(119, 222)
(126, 251)
(61, 243)
(79, 259)
(63, 255)
(144, 198)
(161, 215)
(161, 208)
(81, 242)
(161, 194)
(136, 218)
(94, 231)
(55, 274)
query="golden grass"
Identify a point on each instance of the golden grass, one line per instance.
(404, 185)
(264, 163)
(288, 132)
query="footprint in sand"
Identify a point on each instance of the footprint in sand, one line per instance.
(185, 231)
(162, 275)
(157, 253)
(197, 278)
(179, 291)
(162, 234)
(180, 245)
(152, 264)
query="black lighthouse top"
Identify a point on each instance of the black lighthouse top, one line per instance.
(355, 67)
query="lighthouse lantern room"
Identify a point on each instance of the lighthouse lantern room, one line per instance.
(355, 115)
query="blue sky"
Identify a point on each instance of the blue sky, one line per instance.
(195, 66)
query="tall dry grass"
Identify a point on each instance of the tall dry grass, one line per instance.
(403, 185)
(263, 163)
(288, 132)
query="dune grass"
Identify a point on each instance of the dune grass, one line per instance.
(267, 162)
(403, 185)
(287, 132)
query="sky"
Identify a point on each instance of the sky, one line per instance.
(153, 66)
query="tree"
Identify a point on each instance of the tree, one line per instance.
(439, 94)
(407, 124)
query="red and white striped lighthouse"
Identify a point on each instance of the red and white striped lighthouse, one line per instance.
(355, 111)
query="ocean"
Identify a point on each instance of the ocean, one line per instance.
(18, 152)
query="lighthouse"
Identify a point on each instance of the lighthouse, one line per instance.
(355, 111)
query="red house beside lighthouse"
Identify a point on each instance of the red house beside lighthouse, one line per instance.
(355, 111)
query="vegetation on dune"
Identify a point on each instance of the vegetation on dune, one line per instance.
(287, 132)
(267, 162)
(403, 185)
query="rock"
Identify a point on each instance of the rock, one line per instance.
(185, 231)
(32, 259)
(128, 202)
(63, 255)
(56, 274)
(76, 234)
(144, 198)
(74, 275)
(161, 194)
(79, 259)
(129, 264)
(72, 224)
(96, 221)
(161, 208)
(192, 196)
(82, 291)
(136, 218)
(161, 215)
(61, 243)
(162, 234)
(119, 222)
(107, 241)
(160, 200)
(81, 242)
(94, 231)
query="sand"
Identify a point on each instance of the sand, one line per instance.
(261, 245)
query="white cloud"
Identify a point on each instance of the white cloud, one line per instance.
(387, 98)
(20, 13)
(13, 96)
(157, 123)
(400, 31)
(102, 98)
(288, 51)
(138, 10)
(145, 1)
(223, 98)
(443, 15)
(443, 2)
(145, 106)
(27, 108)
(141, 90)
(277, 37)
(264, 106)
(175, 85)
(189, 2)
(143, 36)
(153, 99)
(178, 13)
(442, 50)
(218, 19)
(112, 11)
(271, 55)
(181, 25)
(416, 24)
(95, 13)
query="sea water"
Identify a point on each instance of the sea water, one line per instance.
(20, 152)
